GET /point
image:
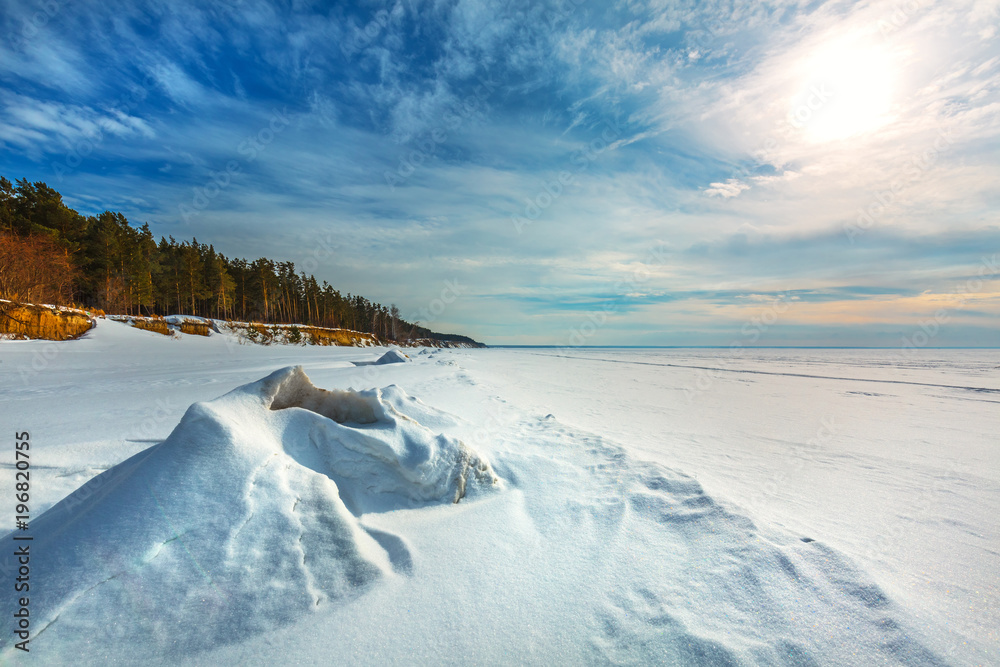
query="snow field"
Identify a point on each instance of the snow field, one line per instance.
(632, 525)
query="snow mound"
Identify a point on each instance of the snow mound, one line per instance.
(390, 357)
(244, 519)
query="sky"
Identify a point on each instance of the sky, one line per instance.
(640, 172)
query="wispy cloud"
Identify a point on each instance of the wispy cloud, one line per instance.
(772, 147)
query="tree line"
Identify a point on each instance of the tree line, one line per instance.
(50, 253)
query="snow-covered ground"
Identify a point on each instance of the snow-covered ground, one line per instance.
(649, 506)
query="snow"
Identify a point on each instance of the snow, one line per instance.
(621, 506)
(369, 443)
(390, 357)
(242, 492)
(393, 357)
(184, 319)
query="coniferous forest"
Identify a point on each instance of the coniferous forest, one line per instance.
(50, 253)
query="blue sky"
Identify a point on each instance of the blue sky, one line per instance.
(577, 172)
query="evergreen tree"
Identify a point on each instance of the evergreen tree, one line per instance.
(50, 252)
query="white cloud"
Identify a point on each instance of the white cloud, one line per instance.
(731, 188)
(37, 125)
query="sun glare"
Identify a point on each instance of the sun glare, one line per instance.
(845, 90)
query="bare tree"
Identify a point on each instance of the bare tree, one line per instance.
(34, 269)
(394, 313)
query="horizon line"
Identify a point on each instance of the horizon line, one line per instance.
(751, 347)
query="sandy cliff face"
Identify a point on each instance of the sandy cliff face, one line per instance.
(42, 322)
(57, 323)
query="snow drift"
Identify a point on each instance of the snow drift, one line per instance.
(390, 357)
(242, 520)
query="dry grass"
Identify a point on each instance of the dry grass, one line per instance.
(266, 334)
(195, 328)
(154, 325)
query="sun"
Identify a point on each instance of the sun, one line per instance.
(844, 90)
